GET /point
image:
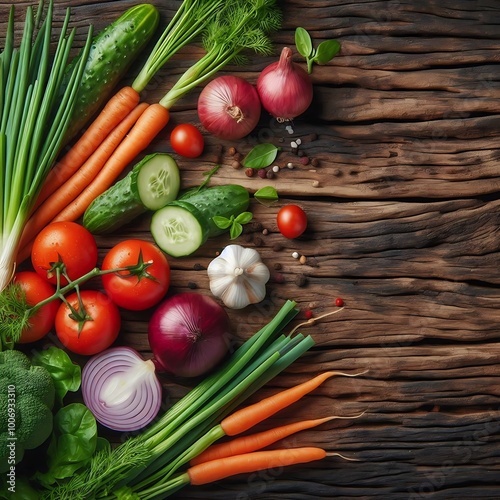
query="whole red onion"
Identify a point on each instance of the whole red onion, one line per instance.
(229, 107)
(188, 334)
(285, 89)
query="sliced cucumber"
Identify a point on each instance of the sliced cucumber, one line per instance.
(179, 229)
(150, 185)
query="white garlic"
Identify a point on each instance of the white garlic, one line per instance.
(238, 276)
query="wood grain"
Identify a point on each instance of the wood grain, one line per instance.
(403, 224)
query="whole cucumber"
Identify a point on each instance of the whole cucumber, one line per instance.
(113, 51)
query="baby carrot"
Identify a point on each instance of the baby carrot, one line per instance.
(152, 120)
(244, 419)
(116, 109)
(214, 470)
(253, 442)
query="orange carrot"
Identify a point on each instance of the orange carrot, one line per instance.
(214, 470)
(147, 127)
(116, 109)
(66, 193)
(244, 419)
(253, 442)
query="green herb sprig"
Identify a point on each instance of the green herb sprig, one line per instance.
(322, 54)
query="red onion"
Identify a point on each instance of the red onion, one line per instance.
(285, 89)
(121, 389)
(188, 334)
(229, 107)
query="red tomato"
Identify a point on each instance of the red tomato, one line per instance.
(292, 221)
(36, 290)
(66, 241)
(187, 140)
(136, 292)
(99, 331)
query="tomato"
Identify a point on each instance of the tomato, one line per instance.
(100, 329)
(292, 221)
(136, 292)
(37, 289)
(66, 241)
(187, 140)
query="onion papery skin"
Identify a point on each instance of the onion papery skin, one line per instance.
(285, 88)
(229, 107)
(133, 413)
(189, 334)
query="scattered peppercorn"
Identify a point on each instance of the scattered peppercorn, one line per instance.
(300, 280)
(192, 285)
(311, 305)
(277, 266)
(231, 151)
(295, 255)
(257, 241)
(304, 160)
(289, 165)
(308, 314)
(314, 136)
(303, 259)
(198, 267)
(249, 172)
(262, 173)
(277, 247)
(236, 164)
(315, 184)
(315, 162)
(256, 226)
(269, 174)
(265, 231)
(278, 278)
(276, 169)
(249, 237)
(237, 156)
(339, 302)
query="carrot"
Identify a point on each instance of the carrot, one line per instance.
(214, 470)
(66, 193)
(244, 419)
(253, 442)
(146, 128)
(116, 109)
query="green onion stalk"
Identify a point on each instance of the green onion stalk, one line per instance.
(33, 120)
(241, 25)
(144, 465)
(188, 22)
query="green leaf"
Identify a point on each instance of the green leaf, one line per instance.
(244, 218)
(236, 230)
(268, 193)
(222, 222)
(260, 156)
(65, 374)
(303, 42)
(326, 51)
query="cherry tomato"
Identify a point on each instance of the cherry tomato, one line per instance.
(66, 241)
(98, 332)
(37, 289)
(187, 140)
(136, 292)
(292, 221)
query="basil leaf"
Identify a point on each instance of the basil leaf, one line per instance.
(236, 230)
(222, 222)
(244, 218)
(326, 51)
(266, 193)
(303, 42)
(65, 374)
(260, 156)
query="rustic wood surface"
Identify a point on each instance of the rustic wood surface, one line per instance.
(404, 225)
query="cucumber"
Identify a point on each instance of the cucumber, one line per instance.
(113, 51)
(150, 185)
(182, 226)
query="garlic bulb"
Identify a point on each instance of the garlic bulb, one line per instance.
(238, 276)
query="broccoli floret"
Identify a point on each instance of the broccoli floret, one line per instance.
(26, 400)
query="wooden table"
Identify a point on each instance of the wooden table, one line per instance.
(404, 221)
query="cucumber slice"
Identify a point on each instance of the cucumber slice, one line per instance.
(151, 184)
(179, 229)
(158, 181)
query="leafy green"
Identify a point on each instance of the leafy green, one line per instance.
(260, 156)
(65, 374)
(266, 194)
(323, 54)
(234, 224)
(73, 443)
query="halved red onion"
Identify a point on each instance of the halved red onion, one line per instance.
(121, 389)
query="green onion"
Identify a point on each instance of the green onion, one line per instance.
(33, 120)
